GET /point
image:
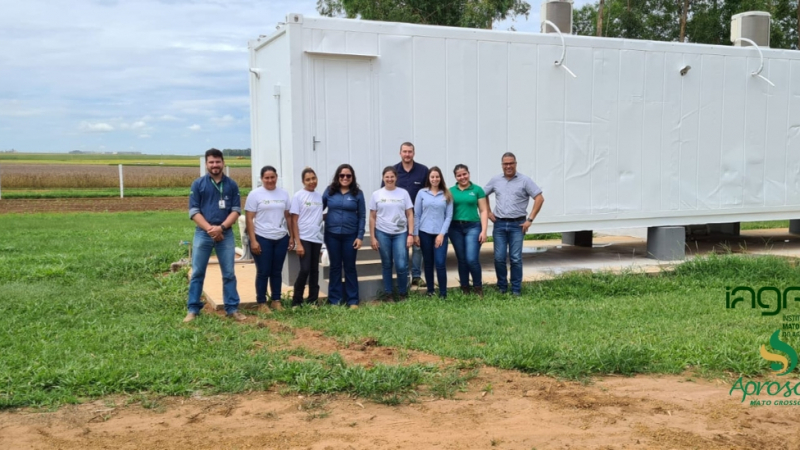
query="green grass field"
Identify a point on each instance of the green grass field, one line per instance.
(86, 310)
(104, 159)
(579, 325)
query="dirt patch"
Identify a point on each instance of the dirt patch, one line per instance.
(63, 205)
(497, 409)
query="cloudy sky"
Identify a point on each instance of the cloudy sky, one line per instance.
(166, 76)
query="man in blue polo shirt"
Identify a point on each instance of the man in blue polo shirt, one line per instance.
(511, 190)
(214, 205)
(411, 177)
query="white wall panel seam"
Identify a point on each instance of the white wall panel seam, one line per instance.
(413, 137)
(788, 140)
(721, 134)
(508, 94)
(744, 140)
(592, 135)
(615, 166)
(379, 135)
(697, 158)
(641, 141)
(478, 112)
(324, 86)
(349, 112)
(766, 138)
(698, 199)
(536, 123)
(680, 136)
(374, 115)
(446, 113)
(564, 146)
(661, 147)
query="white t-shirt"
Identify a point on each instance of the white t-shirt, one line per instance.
(269, 207)
(308, 207)
(391, 207)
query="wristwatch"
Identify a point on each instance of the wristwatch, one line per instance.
(222, 225)
(528, 219)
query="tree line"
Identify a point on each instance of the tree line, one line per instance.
(698, 21)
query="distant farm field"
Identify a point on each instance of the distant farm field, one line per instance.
(88, 176)
(103, 159)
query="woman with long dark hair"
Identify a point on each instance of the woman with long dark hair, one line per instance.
(306, 212)
(267, 215)
(344, 232)
(468, 228)
(391, 220)
(433, 211)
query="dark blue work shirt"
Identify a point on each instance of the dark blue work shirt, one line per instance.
(347, 213)
(411, 181)
(205, 196)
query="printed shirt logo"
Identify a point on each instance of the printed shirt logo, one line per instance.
(780, 365)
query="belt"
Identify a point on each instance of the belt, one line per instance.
(462, 222)
(513, 219)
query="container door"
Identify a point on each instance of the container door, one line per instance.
(343, 118)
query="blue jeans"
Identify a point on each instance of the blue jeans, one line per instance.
(269, 265)
(342, 255)
(417, 263)
(464, 237)
(202, 246)
(508, 242)
(437, 258)
(393, 250)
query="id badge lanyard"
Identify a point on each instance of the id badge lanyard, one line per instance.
(221, 190)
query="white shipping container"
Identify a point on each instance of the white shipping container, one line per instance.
(645, 134)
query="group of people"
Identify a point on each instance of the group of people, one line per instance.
(413, 209)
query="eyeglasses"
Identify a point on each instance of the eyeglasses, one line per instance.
(510, 164)
(345, 176)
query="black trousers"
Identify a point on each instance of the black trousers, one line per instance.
(309, 274)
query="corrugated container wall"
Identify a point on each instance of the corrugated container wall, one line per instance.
(646, 134)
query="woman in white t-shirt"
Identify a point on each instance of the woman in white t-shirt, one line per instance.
(306, 213)
(391, 220)
(267, 213)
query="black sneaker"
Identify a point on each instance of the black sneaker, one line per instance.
(418, 282)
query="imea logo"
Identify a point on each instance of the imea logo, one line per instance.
(768, 297)
(781, 365)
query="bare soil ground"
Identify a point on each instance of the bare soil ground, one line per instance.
(498, 409)
(62, 205)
